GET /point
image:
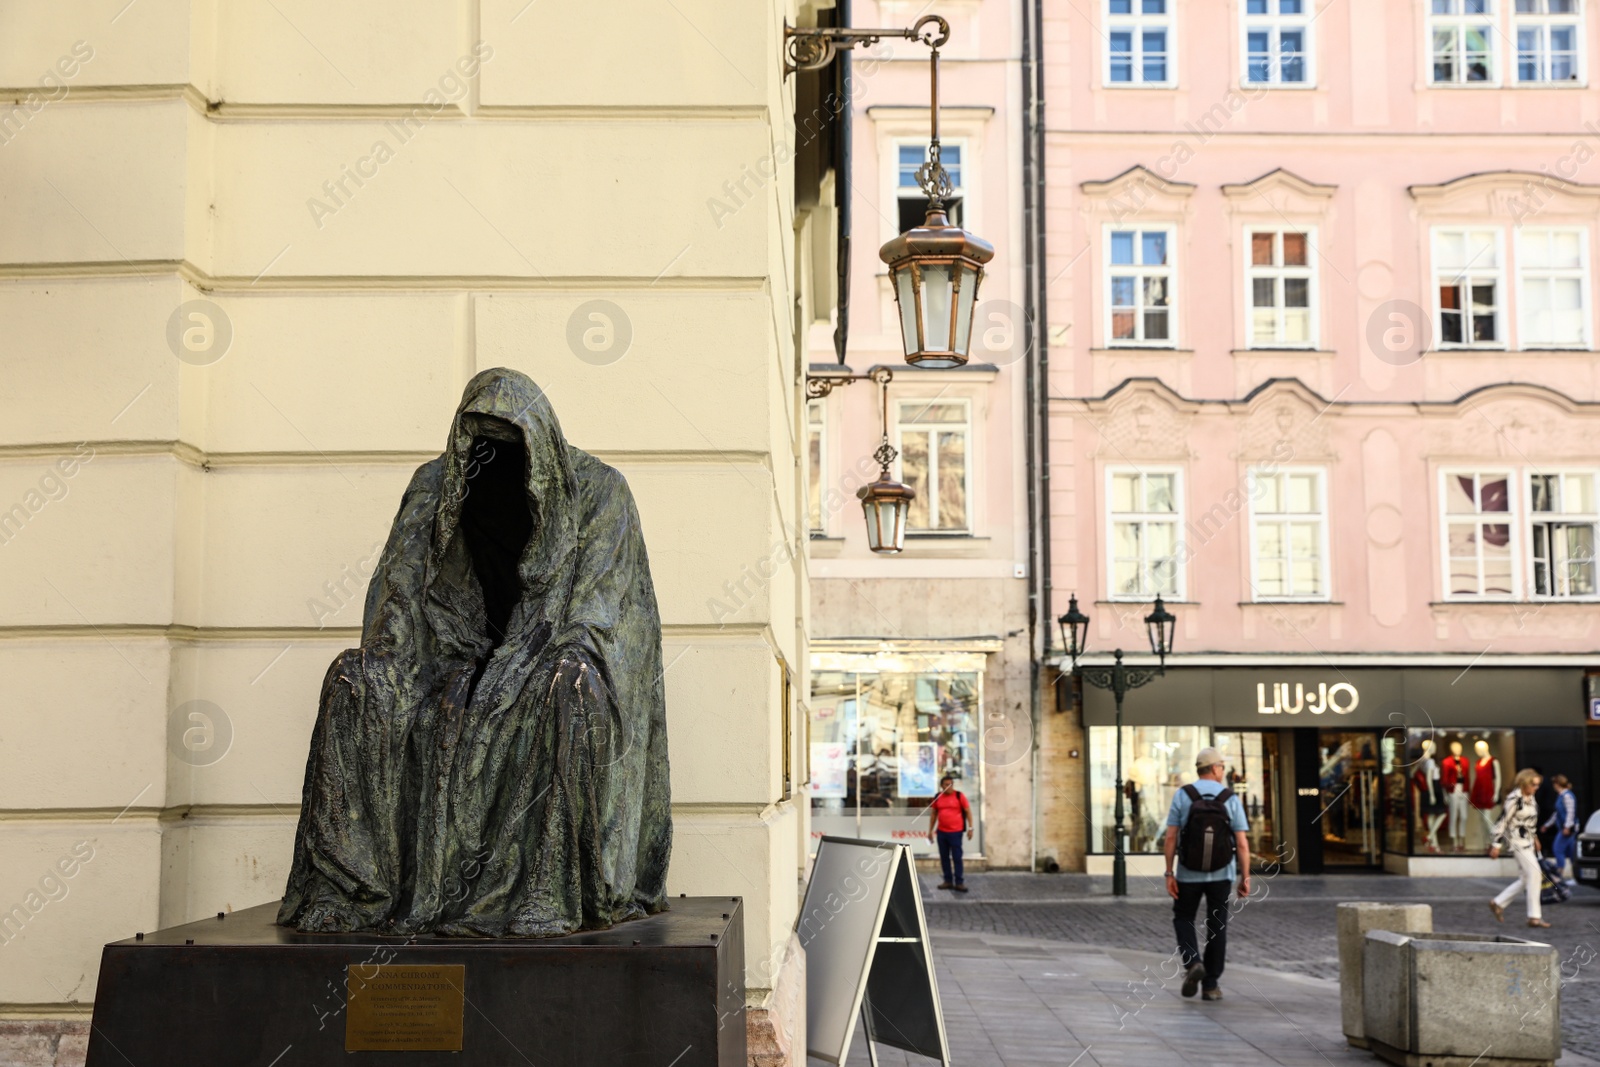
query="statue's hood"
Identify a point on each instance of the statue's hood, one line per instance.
(498, 402)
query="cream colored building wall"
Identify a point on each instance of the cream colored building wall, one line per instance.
(201, 531)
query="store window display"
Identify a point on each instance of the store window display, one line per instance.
(1397, 793)
(1485, 784)
(1454, 776)
(1157, 762)
(1464, 801)
(883, 733)
(1427, 783)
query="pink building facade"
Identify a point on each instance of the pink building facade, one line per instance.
(1321, 298)
(921, 663)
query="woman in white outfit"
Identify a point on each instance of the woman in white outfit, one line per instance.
(1518, 828)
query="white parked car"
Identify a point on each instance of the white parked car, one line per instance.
(1587, 863)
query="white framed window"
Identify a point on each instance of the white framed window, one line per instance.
(1549, 36)
(1139, 286)
(1469, 289)
(816, 456)
(909, 197)
(934, 438)
(1562, 517)
(1479, 529)
(1277, 43)
(1288, 534)
(1139, 43)
(1280, 282)
(1552, 287)
(1461, 42)
(1143, 517)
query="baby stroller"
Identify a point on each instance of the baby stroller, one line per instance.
(1553, 889)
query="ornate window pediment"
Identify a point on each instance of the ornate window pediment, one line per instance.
(1283, 424)
(1137, 192)
(1142, 419)
(1507, 194)
(1512, 423)
(1282, 192)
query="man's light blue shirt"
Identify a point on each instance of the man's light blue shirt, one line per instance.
(1179, 814)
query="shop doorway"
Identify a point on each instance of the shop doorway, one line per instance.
(1350, 820)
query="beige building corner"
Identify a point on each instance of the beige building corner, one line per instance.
(251, 254)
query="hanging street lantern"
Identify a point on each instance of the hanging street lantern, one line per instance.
(936, 268)
(886, 502)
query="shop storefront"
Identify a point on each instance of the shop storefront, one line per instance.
(1340, 768)
(885, 727)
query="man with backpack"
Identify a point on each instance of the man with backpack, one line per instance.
(1206, 830)
(950, 816)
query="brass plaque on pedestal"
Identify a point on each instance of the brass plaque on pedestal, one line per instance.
(405, 1006)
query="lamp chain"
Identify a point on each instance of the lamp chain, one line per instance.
(886, 454)
(931, 176)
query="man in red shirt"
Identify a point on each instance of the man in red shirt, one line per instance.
(949, 816)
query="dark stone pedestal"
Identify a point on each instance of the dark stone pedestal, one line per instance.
(665, 990)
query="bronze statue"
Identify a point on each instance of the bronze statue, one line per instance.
(492, 761)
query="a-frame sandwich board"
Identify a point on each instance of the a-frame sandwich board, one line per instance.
(868, 955)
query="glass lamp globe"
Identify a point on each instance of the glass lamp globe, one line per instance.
(886, 503)
(936, 269)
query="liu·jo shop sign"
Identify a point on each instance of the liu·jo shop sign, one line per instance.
(1341, 698)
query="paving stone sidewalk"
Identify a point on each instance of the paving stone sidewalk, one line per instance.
(1024, 1002)
(1051, 969)
(1289, 923)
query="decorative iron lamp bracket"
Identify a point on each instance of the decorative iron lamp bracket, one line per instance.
(885, 502)
(813, 49)
(821, 385)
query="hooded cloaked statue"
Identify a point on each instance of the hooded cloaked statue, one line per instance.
(492, 761)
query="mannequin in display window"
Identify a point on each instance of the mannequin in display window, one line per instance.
(1454, 775)
(1485, 784)
(1430, 795)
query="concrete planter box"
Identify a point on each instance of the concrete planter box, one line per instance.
(1355, 919)
(1449, 1000)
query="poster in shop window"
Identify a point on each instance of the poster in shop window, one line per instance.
(919, 769)
(830, 766)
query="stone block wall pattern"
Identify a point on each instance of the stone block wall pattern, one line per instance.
(364, 205)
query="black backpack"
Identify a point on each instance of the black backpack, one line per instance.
(1206, 842)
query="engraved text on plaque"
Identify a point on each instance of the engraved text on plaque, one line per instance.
(404, 1006)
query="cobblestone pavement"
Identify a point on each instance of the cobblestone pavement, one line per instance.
(1289, 924)
(1026, 1002)
(1012, 1002)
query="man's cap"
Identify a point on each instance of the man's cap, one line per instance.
(1208, 757)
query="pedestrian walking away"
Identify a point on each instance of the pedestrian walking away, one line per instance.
(1564, 821)
(949, 819)
(1518, 830)
(1207, 851)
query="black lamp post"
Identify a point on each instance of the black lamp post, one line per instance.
(1119, 679)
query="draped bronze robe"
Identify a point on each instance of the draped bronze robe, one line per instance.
(493, 759)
